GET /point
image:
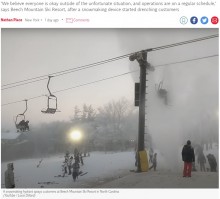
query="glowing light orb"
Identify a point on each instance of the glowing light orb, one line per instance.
(76, 135)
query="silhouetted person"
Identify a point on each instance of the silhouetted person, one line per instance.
(81, 159)
(63, 169)
(154, 162)
(21, 125)
(201, 161)
(65, 166)
(212, 162)
(66, 160)
(76, 158)
(9, 176)
(69, 164)
(26, 126)
(188, 157)
(75, 171)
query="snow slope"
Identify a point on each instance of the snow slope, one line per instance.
(105, 170)
(99, 167)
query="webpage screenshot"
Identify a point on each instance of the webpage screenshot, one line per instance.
(109, 99)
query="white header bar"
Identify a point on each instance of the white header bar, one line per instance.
(110, 14)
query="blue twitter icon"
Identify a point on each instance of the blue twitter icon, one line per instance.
(204, 20)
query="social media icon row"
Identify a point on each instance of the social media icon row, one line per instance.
(194, 20)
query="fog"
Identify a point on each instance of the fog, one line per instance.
(192, 110)
(191, 113)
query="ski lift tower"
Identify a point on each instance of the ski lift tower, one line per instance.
(140, 92)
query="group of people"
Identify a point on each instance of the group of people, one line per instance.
(188, 157)
(23, 125)
(70, 166)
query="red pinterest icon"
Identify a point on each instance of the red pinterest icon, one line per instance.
(214, 20)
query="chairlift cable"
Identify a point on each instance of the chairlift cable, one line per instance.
(64, 72)
(40, 78)
(172, 63)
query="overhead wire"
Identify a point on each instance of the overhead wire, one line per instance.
(64, 72)
(182, 43)
(119, 75)
(188, 60)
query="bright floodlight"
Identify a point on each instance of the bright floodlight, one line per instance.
(76, 135)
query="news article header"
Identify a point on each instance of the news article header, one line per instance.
(110, 14)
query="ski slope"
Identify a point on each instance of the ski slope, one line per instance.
(105, 170)
(99, 166)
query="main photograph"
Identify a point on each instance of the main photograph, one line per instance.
(109, 108)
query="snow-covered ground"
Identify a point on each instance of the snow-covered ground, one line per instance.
(99, 166)
(106, 170)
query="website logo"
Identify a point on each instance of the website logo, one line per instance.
(214, 20)
(204, 20)
(183, 20)
(194, 20)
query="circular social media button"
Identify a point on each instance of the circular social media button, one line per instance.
(183, 20)
(214, 20)
(204, 20)
(194, 20)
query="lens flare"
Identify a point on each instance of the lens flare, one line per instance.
(76, 135)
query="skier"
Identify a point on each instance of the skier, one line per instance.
(201, 161)
(9, 176)
(81, 159)
(75, 171)
(69, 164)
(76, 157)
(63, 169)
(188, 157)
(65, 166)
(154, 161)
(212, 162)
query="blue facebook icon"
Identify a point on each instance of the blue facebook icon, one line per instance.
(194, 20)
